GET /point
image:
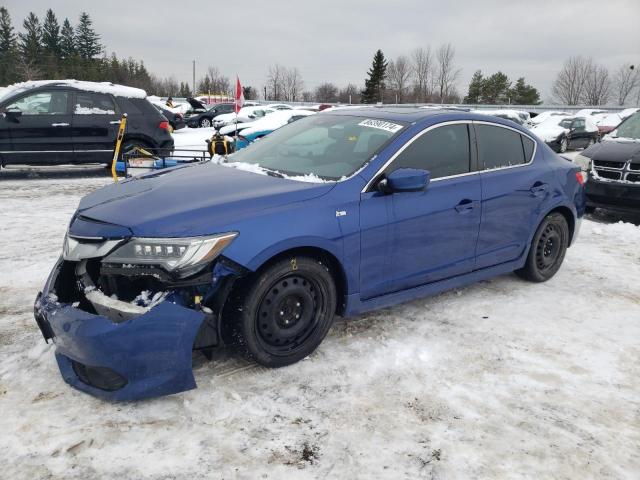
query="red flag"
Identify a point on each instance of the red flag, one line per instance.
(239, 100)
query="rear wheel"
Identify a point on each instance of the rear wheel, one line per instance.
(286, 312)
(564, 144)
(205, 122)
(548, 249)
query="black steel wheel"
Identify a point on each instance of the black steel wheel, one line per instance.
(548, 249)
(286, 312)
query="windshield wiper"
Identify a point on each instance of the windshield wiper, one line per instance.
(273, 173)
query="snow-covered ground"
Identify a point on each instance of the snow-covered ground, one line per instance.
(503, 379)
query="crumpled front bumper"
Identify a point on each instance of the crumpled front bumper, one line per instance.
(147, 356)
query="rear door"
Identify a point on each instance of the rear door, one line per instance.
(42, 132)
(95, 126)
(515, 185)
(579, 135)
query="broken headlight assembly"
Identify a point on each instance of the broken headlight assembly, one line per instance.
(181, 257)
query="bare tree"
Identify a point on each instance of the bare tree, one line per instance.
(326, 93)
(398, 75)
(597, 87)
(446, 72)
(422, 60)
(569, 85)
(307, 96)
(293, 84)
(214, 82)
(275, 82)
(349, 94)
(625, 80)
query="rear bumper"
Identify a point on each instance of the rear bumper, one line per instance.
(613, 195)
(146, 356)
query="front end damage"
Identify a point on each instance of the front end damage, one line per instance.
(126, 332)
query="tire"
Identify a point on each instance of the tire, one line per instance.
(286, 312)
(564, 144)
(548, 249)
(205, 123)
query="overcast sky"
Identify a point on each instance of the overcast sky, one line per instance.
(334, 40)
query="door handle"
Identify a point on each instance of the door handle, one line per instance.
(539, 189)
(59, 124)
(466, 205)
(115, 122)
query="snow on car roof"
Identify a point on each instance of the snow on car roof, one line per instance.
(275, 120)
(98, 87)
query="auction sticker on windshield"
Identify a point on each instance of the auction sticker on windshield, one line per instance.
(380, 124)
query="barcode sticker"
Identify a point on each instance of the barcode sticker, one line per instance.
(381, 125)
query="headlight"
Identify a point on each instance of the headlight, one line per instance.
(583, 162)
(182, 255)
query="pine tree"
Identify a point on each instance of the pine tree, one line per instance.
(51, 34)
(524, 94)
(87, 40)
(475, 88)
(495, 89)
(31, 39)
(374, 85)
(184, 91)
(67, 40)
(8, 49)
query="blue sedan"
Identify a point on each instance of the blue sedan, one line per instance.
(336, 214)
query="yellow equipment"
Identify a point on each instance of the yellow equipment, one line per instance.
(116, 151)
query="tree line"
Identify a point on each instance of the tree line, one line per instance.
(583, 81)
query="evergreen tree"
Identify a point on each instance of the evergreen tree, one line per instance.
(87, 40)
(8, 49)
(475, 88)
(31, 40)
(496, 89)
(374, 85)
(51, 34)
(184, 91)
(67, 40)
(524, 94)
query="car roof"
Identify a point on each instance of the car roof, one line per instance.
(398, 114)
(80, 85)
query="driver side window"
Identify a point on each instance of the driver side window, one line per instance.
(443, 151)
(42, 103)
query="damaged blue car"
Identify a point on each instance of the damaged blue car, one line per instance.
(333, 215)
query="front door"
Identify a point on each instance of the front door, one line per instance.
(95, 127)
(41, 133)
(414, 238)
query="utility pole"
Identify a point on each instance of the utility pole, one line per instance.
(194, 78)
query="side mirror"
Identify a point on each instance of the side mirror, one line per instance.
(13, 113)
(405, 180)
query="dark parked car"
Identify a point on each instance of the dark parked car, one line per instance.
(201, 115)
(568, 133)
(613, 166)
(176, 120)
(61, 122)
(336, 214)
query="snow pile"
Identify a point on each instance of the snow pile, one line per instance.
(256, 168)
(92, 111)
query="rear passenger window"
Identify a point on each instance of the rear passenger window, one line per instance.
(528, 148)
(93, 104)
(501, 147)
(444, 151)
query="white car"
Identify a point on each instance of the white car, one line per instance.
(585, 112)
(564, 133)
(518, 116)
(279, 106)
(246, 114)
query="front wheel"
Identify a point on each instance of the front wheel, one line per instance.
(205, 123)
(548, 248)
(286, 312)
(564, 144)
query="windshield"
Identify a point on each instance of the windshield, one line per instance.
(630, 128)
(327, 146)
(566, 123)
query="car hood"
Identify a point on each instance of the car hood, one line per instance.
(549, 132)
(187, 201)
(614, 150)
(196, 104)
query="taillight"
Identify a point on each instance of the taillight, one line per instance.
(581, 177)
(164, 125)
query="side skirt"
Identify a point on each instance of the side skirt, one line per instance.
(355, 306)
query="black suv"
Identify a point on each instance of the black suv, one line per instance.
(201, 115)
(61, 122)
(614, 169)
